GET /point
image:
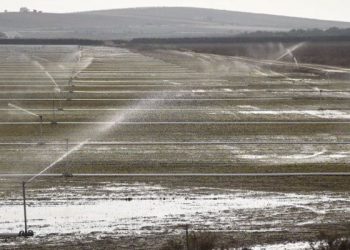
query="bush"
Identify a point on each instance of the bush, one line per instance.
(197, 241)
(332, 242)
(174, 245)
(202, 241)
(338, 244)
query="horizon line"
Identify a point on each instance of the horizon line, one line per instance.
(168, 6)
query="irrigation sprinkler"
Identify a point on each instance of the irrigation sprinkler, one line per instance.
(41, 129)
(32, 114)
(26, 232)
(70, 84)
(57, 91)
(56, 86)
(60, 108)
(54, 122)
(187, 238)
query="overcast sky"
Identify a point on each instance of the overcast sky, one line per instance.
(321, 9)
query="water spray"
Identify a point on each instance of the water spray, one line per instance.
(32, 114)
(26, 232)
(30, 233)
(289, 52)
(57, 88)
(63, 157)
(70, 84)
(76, 70)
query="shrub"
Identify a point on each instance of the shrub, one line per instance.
(331, 241)
(174, 245)
(197, 241)
(202, 241)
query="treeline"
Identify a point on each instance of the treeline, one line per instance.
(237, 39)
(241, 39)
(302, 33)
(295, 35)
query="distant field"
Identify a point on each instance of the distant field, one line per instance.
(326, 53)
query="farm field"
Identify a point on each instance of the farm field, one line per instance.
(161, 138)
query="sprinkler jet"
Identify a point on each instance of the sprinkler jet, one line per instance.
(74, 73)
(71, 88)
(32, 114)
(289, 52)
(55, 91)
(30, 233)
(70, 84)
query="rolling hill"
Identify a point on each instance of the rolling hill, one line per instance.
(150, 22)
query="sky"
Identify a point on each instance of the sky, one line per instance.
(320, 9)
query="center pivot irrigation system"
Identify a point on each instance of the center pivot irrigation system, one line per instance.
(32, 114)
(41, 121)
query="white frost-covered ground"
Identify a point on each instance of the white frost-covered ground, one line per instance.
(324, 114)
(124, 209)
(288, 246)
